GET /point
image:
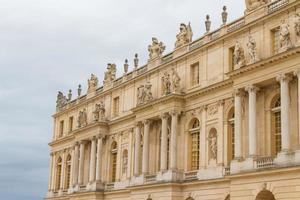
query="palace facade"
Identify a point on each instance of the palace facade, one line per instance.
(216, 119)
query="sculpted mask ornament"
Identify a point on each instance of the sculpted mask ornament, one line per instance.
(99, 112)
(252, 50)
(297, 26)
(144, 93)
(156, 49)
(253, 4)
(238, 56)
(184, 36)
(110, 74)
(82, 118)
(285, 41)
(92, 83)
(175, 81)
(166, 84)
(61, 101)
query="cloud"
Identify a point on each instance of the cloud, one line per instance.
(53, 45)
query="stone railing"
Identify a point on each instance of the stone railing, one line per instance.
(150, 178)
(118, 81)
(236, 25)
(277, 5)
(167, 58)
(196, 45)
(191, 175)
(264, 162)
(142, 70)
(215, 35)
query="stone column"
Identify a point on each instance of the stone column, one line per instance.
(81, 163)
(164, 142)
(252, 90)
(146, 141)
(285, 111)
(173, 142)
(220, 136)
(238, 123)
(93, 160)
(137, 150)
(63, 163)
(203, 137)
(99, 158)
(51, 171)
(75, 163)
(297, 73)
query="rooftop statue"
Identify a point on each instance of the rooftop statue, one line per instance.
(156, 49)
(61, 101)
(238, 56)
(285, 41)
(110, 74)
(184, 36)
(92, 83)
(253, 4)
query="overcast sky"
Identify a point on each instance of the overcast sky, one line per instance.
(52, 45)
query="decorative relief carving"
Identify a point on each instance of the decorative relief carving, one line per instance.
(238, 56)
(99, 112)
(82, 118)
(156, 49)
(285, 41)
(297, 27)
(184, 36)
(170, 85)
(252, 50)
(213, 145)
(175, 81)
(253, 4)
(212, 110)
(144, 94)
(166, 84)
(92, 83)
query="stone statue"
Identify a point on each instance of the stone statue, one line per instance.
(297, 26)
(82, 118)
(156, 49)
(224, 15)
(207, 24)
(92, 83)
(136, 61)
(126, 65)
(252, 50)
(253, 4)
(166, 84)
(148, 92)
(79, 91)
(140, 95)
(184, 36)
(70, 95)
(99, 112)
(175, 81)
(285, 41)
(213, 146)
(61, 101)
(238, 56)
(110, 74)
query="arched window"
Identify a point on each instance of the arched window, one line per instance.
(230, 147)
(114, 153)
(276, 125)
(265, 195)
(125, 162)
(195, 144)
(58, 173)
(68, 172)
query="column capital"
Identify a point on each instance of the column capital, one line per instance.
(283, 78)
(138, 124)
(174, 112)
(252, 88)
(164, 115)
(146, 121)
(297, 73)
(239, 92)
(93, 138)
(220, 102)
(203, 108)
(83, 142)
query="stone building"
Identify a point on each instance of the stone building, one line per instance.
(216, 119)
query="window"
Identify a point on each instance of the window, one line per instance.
(114, 152)
(116, 105)
(195, 144)
(68, 173)
(71, 121)
(125, 162)
(195, 77)
(58, 173)
(275, 41)
(231, 135)
(276, 125)
(61, 128)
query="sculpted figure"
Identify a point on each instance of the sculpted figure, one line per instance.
(213, 146)
(99, 112)
(166, 83)
(110, 74)
(285, 42)
(252, 50)
(297, 25)
(175, 81)
(61, 101)
(92, 83)
(253, 4)
(148, 92)
(82, 118)
(184, 36)
(140, 95)
(156, 49)
(238, 56)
